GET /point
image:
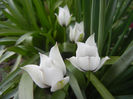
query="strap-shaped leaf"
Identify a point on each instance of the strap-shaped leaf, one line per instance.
(25, 87)
(100, 87)
(119, 66)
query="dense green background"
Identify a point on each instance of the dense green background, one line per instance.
(30, 26)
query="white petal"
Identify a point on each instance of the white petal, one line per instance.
(43, 59)
(94, 63)
(103, 60)
(71, 33)
(85, 50)
(81, 63)
(52, 74)
(79, 31)
(67, 15)
(35, 74)
(55, 55)
(80, 27)
(91, 40)
(61, 18)
(60, 84)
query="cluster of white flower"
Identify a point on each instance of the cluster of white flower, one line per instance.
(64, 18)
(52, 69)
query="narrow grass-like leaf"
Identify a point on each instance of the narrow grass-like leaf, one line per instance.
(25, 87)
(16, 13)
(75, 87)
(92, 17)
(100, 87)
(41, 13)
(8, 86)
(18, 61)
(101, 27)
(19, 49)
(110, 11)
(123, 5)
(15, 73)
(22, 38)
(6, 56)
(122, 35)
(118, 67)
(2, 52)
(10, 94)
(11, 32)
(8, 40)
(78, 10)
(87, 16)
(28, 7)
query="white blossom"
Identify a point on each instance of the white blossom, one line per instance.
(50, 72)
(87, 57)
(64, 16)
(77, 32)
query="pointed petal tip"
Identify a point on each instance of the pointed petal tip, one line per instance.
(107, 58)
(24, 67)
(65, 6)
(40, 54)
(56, 14)
(103, 60)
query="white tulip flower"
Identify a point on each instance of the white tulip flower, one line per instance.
(87, 57)
(64, 16)
(77, 32)
(50, 72)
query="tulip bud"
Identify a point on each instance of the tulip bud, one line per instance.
(64, 16)
(77, 32)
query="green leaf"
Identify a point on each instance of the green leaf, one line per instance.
(124, 97)
(112, 60)
(57, 4)
(100, 87)
(6, 56)
(8, 40)
(28, 8)
(16, 13)
(2, 52)
(101, 28)
(9, 86)
(18, 61)
(78, 10)
(87, 17)
(10, 94)
(110, 11)
(75, 86)
(41, 13)
(68, 47)
(118, 67)
(11, 32)
(122, 34)
(22, 38)
(78, 75)
(11, 76)
(58, 95)
(25, 87)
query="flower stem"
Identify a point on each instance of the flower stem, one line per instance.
(64, 31)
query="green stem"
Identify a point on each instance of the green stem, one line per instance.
(65, 35)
